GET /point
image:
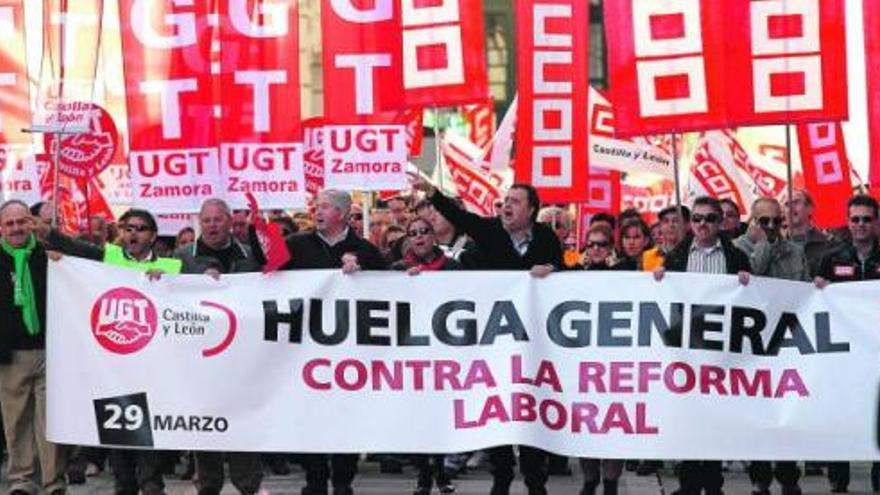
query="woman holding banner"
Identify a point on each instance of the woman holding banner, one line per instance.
(422, 253)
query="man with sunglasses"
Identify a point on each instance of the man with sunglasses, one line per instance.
(772, 256)
(769, 253)
(857, 259)
(139, 234)
(134, 470)
(705, 250)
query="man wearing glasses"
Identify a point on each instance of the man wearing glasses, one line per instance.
(772, 256)
(857, 259)
(769, 253)
(704, 251)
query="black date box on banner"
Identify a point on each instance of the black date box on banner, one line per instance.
(124, 420)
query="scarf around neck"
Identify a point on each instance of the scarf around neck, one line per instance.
(24, 296)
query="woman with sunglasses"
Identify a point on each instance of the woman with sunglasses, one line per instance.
(600, 256)
(600, 253)
(422, 253)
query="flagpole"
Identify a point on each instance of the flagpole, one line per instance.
(788, 170)
(437, 149)
(675, 171)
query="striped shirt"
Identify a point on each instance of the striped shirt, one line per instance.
(707, 260)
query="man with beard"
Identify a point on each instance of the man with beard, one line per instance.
(217, 252)
(513, 241)
(772, 256)
(858, 259)
(23, 272)
(803, 231)
(704, 251)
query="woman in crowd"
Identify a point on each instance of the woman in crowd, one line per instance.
(635, 238)
(600, 256)
(422, 253)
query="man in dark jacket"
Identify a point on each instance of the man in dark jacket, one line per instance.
(857, 259)
(705, 251)
(216, 252)
(333, 244)
(23, 271)
(512, 241)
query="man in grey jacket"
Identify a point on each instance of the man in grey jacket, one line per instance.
(216, 252)
(769, 253)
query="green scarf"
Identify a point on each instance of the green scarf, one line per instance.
(24, 286)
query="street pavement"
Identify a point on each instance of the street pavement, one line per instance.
(371, 482)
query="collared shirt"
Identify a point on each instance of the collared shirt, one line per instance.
(707, 260)
(521, 244)
(336, 240)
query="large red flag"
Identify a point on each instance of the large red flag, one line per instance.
(785, 61)
(259, 88)
(872, 73)
(14, 107)
(359, 46)
(551, 132)
(826, 171)
(169, 92)
(442, 57)
(700, 64)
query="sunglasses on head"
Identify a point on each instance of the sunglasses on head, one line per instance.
(708, 218)
(598, 244)
(857, 219)
(767, 221)
(137, 228)
(418, 232)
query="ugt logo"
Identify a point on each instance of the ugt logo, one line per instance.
(123, 320)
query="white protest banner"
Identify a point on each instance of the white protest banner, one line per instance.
(609, 365)
(365, 157)
(629, 155)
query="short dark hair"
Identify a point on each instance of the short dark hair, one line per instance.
(421, 205)
(604, 217)
(144, 215)
(863, 200)
(710, 202)
(685, 212)
(731, 203)
(629, 214)
(533, 198)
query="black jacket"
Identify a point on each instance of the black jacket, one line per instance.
(494, 243)
(308, 250)
(736, 260)
(843, 265)
(13, 335)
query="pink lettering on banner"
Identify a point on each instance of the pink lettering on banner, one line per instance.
(366, 158)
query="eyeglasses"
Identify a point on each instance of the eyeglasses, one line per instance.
(137, 228)
(708, 218)
(598, 244)
(357, 216)
(418, 232)
(766, 221)
(856, 219)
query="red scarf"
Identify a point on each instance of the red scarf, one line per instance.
(437, 264)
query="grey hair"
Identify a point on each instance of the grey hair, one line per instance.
(341, 200)
(216, 202)
(13, 202)
(547, 214)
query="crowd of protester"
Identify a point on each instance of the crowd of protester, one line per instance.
(423, 232)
